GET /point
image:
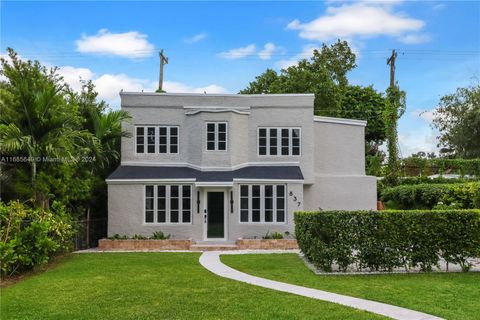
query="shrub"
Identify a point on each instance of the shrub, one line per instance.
(385, 240)
(414, 166)
(30, 237)
(159, 235)
(273, 235)
(427, 196)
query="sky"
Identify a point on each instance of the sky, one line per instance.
(219, 47)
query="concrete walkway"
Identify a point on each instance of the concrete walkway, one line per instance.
(211, 261)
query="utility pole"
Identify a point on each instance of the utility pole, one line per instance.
(163, 61)
(391, 62)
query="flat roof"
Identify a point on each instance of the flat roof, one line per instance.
(238, 95)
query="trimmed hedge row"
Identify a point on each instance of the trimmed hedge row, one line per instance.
(433, 196)
(384, 240)
(414, 166)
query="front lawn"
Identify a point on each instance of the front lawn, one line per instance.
(449, 295)
(153, 286)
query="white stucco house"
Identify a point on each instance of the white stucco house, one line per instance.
(217, 167)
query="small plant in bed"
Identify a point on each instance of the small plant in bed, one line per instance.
(273, 235)
(159, 235)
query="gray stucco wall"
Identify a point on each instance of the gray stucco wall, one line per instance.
(126, 214)
(340, 182)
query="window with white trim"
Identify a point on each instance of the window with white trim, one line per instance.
(147, 137)
(168, 204)
(279, 141)
(216, 136)
(263, 203)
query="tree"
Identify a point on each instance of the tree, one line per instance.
(36, 121)
(458, 119)
(325, 75)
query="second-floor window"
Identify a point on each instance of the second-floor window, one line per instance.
(216, 136)
(279, 141)
(157, 139)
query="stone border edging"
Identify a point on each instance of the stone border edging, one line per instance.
(211, 261)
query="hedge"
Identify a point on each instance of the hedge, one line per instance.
(433, 196)
(30, 237)
(384, 240)
(414, 166)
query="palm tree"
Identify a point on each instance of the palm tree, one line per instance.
(36, 121)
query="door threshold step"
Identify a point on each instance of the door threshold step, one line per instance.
(213, 247)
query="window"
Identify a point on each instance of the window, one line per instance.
(166, 136)
(168, 204)
(216, 136)
(279, 141)
(262, 203)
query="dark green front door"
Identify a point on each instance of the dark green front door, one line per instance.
(215, 215)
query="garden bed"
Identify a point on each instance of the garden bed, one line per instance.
(267, 244)
(143, 245)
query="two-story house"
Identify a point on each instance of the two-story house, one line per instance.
(224, 166)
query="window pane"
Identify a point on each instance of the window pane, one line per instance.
(186, 216)
(161, 191)
(186, 204)
(163, 140)
(163, 131)
(296, 133)
(244, 215)
(162, 217)
(284, 151)
(149, 191)
(174, 216)
(211, 127)
(140, 149)
(262, 151)
(273, 150)
(273, 133)
(161, 204)
(151, 149)
(139, 131)
(222, 127)
(173, 131)
(222, 146)
(296, 151)
(211, 136)
(285, 133)
(256, 191)
(268, 215)
(149, 204)
(244, 203)
(262, 142)
(244, 191)
(211, 146)
(222, 136)
(280, 216)
(186, 191)
(262, 133)
(139, 140)
(163, 149)
(174, 140)
(255, 215)
(269, 191)
(173, 149)
(296, 142)
(149, 216)
(174, 191)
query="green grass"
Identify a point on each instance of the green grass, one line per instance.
(153, 286)
(449, 295)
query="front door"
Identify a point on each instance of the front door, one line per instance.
(215, 215)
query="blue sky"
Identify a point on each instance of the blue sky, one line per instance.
(221, 46)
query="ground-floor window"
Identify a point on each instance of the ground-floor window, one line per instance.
(262, 203)
(168, 204)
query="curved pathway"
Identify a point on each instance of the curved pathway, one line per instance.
(211, 261)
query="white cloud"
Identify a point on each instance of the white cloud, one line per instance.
(413, 142)
(363, 19)
(415, 38)
(130, 44)
(108, 86)
(238, 53)
(196, 38)
(268, 49)
(306, 53)
(72, 76)
(425, 115)
(177, 87)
